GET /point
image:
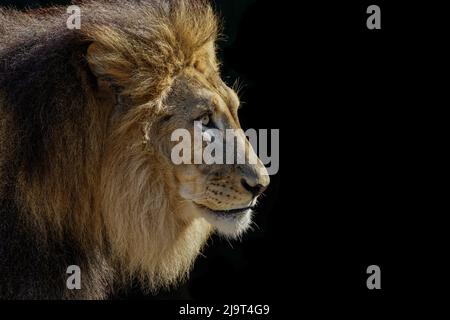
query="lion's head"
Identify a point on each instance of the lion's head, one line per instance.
(150, 69)
(168, 83)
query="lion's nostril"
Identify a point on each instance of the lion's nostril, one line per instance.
(255, 190)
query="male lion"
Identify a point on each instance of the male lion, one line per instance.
(86, 176)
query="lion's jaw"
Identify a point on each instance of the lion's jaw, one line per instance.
(229, 218)
(230, 224)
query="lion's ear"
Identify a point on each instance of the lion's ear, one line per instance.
(139, 75)
(108, 64)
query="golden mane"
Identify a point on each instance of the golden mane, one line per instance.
(70, 172)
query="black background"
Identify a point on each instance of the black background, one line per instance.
(350, 104)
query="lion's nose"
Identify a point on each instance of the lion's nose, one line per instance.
(255, 190)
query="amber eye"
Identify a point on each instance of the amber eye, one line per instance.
(205, 119)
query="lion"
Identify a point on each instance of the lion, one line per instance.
(86, 176)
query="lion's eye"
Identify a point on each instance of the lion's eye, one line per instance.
(205, 119)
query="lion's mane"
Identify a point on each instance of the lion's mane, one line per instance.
(70, 193)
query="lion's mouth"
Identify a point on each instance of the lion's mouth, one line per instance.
(225, 213)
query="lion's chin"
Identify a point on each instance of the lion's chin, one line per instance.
(231, 223)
